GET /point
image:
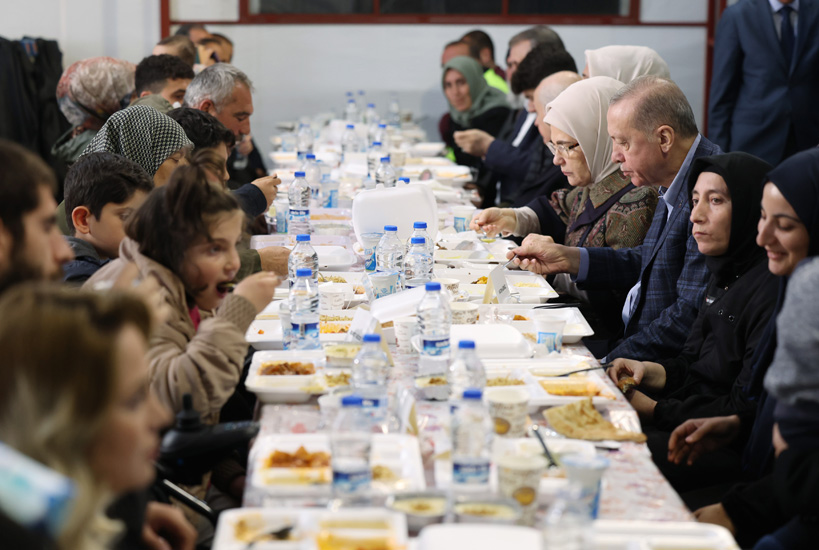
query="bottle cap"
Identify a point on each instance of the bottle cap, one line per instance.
(351, 126)
(310, 156)
(466, 344)
(473, 393)
(351, 100)
(385, 159)
(417, 225)
(351, 401)
(375, 338)
(417, 240)
(300, 174)
(433, 286)
(304, 272)
(382, 125)
(377, 143)
(390, 228)
(405, 180)
(371, 105)
(302, 238)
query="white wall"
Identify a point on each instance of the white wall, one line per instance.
(303, 69)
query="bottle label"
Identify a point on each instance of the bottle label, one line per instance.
(304, 336)
(331, 201)
(348, 482)
(473, 473)
(369, 259)
(551, 340)
(436, 347)
(299, 215)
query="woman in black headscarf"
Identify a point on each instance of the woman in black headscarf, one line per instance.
(707, 379)
(789, 233)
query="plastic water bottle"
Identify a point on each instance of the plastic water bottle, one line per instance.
(349, 141)
(389, 253)
(418, 263)
(304, 138)
(370, 376)
(382, 136)
(302, 256)
(351, 111)
(471, 442)
(419, 229)
(466, 370)
(385, 174)
(350, 444)
(373, 158)
(567, 522)
(299, 195)
(304, 311)
(282, 214)
(370, 115)
(434, 322)
(394, 110)
(312, 173)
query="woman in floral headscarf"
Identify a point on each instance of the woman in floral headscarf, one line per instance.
(88, 93)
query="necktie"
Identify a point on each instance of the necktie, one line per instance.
(787, 39)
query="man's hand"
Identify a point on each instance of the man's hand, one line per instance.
(474, 142)
(269, 185)
(715, 514)
(274, 258)
(166, 528)
(698, 436)
(779, 443)
(648, 375)
(540, 254)
(258, 288)
(495, 220)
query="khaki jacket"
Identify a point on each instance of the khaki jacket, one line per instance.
(208, 362)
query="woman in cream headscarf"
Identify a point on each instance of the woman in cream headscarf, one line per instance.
(624, 63)
(472, 104)
(602, 208)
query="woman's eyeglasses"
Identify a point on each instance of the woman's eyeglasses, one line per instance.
(561, 148)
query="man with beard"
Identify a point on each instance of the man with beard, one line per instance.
(31, 245)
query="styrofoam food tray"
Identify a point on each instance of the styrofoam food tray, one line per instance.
(285, 388)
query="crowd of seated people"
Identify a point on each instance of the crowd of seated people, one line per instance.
(695, 266)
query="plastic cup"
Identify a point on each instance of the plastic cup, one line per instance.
(461, 216)
(464, 313)
(519, 478)
(508, 408)
(331, 296)
(404, 329)
(287, 328)
(586, 473)
(368, 242)
(384, 283)
(549, 330)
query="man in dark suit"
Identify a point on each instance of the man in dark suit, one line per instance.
(655, 141)
(509, 156)
(766, 78)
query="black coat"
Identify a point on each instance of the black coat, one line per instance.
(491, 122)
(708, 378)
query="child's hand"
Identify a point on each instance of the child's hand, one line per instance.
(258, 288)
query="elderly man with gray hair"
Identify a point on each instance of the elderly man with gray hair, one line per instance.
(655, 140)
(224, 92)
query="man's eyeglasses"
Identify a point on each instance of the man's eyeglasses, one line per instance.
(562, 149)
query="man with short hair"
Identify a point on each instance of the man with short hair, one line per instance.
(32, 247)
(655, 141)
(484, 49)
(525, 41)
(179, 45)
(194, 31)
(227, 47)
(509, 157)
(165, 75)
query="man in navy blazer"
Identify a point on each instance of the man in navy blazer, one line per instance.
(765, 80)
(655, 141)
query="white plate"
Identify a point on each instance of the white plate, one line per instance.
(576, 325)
(307, 523)
(458, 257)
(492, 341)
(398, 452)
(334, 257)
(479, 537)
(285, 389)
(655, 535)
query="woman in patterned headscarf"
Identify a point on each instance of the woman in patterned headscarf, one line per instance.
(144, 135)
(88, 93)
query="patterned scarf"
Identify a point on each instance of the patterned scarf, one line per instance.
(141, 134)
